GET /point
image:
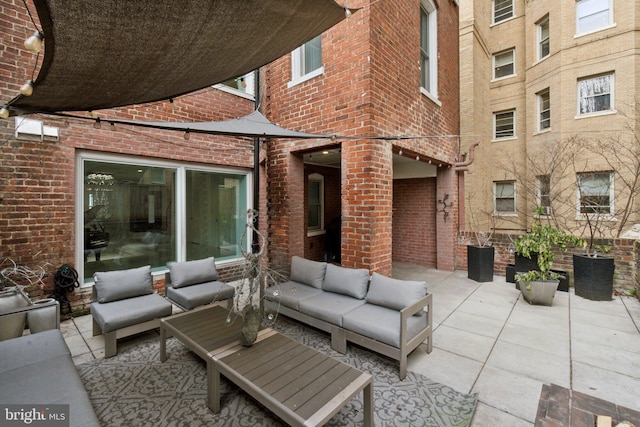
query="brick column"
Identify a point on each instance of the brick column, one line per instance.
(367, 196)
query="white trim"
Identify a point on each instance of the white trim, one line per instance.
(315, 73)
(493, 13)
(513, 63)
(316, 177)
(539, 56)
(494, 135)
(432, 13)
(607, 26)
(495, 198)
(612, 87)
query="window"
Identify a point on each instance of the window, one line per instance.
(544, 110)
(544, 197)
(504, 64)
(504, 196)
(244, 84)
(543, 38)
(428, 48)
(502, 10)
(307, 61)
(593, 15)
(595, 94)
(315, 202)
(504, 124)
(137, 212)
(595, 193)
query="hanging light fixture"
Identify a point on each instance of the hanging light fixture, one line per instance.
(27, 88)
(4, 112)
(34, 42)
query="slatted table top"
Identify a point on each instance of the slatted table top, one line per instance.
(299, 384)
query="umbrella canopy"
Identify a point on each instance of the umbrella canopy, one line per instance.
(112, 53)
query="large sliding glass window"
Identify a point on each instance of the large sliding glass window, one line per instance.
(149, 213)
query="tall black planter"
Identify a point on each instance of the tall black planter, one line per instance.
(593, 277)
(480, 263)
(524, 264)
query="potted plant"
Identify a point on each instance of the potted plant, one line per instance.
(593, 270)
(480, 256)
(538, 286)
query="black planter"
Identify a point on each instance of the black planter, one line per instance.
(564, 280)
(510, 273)
(480, 263)
(524, 264)
(593, 277)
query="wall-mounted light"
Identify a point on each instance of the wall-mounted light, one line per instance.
(27, 88)
(4, 113)
(34, 42)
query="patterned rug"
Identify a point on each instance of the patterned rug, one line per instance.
(135, 389)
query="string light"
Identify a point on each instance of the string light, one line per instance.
(400, 152)
(97, 124)
(34, 42)
(186, 135)
(112, 126)
(347, 12)
(27, 88)
(4, 112)
(173, 105)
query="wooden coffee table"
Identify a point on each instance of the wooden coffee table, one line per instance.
(300, 385)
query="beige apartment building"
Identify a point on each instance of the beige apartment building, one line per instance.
(550, 90)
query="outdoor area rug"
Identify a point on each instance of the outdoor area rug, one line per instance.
(134, 388)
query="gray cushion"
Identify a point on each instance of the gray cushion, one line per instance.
(290, 293)
(347, 281)
(131, 311)
(307, 272)
(193, 296)
(394, 293)
(38, 369)
(382, 324)
(329, 307)
(192, 272)
(121, 284)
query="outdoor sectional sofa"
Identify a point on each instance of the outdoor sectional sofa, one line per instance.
(37, 369)
(379, 313)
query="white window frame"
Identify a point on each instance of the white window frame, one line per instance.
(297, 60)
(495, 197)
(580, 89)
(607, 215)
(180, 197)
(495, 119)
(583, 3)
(429, 8)
(540, 195)
(511, 51)
(248, 93)
(541, 110)
(493, 13)
(314, 231)
(541, 39)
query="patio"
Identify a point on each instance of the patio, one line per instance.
(488, 340)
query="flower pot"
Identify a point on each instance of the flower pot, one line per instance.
(510, 273)
(593, 277)
(12, 325)
(44, 318)
(564, 280)
(480, 263)
(526, 264)
(539, 292)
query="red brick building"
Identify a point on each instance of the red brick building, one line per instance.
(390, 69)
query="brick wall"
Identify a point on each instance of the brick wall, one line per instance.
(414, 221)
(37, 179)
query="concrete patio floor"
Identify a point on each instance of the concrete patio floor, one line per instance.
(488, 340)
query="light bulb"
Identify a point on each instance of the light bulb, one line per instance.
(27, 88)
(112, 126)
(186, 135)
(34, 42)
(347, 12)
(4, 113)
(97, 125)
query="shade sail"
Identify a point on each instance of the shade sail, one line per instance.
(252, 125)
(111, 53)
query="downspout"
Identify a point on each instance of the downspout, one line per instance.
(255, 242)
(463, 166)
